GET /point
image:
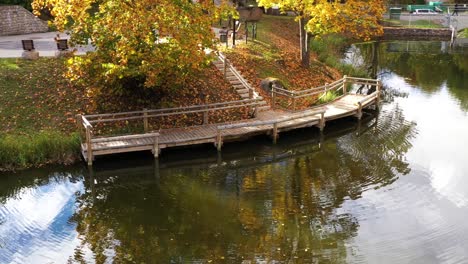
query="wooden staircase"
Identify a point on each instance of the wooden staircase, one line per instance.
(234, 77)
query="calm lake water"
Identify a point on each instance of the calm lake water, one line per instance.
(390, 189)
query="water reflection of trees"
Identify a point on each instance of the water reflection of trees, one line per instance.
(424, 64)
(287, 209)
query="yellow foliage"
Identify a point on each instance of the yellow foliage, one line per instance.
(355, 18)
(159, 41)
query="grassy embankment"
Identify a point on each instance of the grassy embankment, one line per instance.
(38, 106)
(37, 110)
(412, 24)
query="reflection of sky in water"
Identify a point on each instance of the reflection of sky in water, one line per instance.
(35, 227)
(423, 218)
(440, 146)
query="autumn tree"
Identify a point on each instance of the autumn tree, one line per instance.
(150, 43)
(354, 18)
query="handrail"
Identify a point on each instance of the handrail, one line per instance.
(237, 74)
(367, 98)
(274, 123)
(108, 139)
(271, 122)
(254, 102)
(201, 108)
(335, 85)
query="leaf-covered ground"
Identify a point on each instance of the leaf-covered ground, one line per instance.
(35, 96)
(276, 53)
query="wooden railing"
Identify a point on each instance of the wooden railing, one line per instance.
(237, 74)
(273, 123)
(85, 122)
(318, 92)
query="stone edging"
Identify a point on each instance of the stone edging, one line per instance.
(417, 32)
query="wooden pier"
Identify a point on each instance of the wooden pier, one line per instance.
(270, 121)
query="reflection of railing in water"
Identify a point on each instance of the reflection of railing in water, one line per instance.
(433, 47)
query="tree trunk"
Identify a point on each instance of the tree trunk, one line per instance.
(304, 39)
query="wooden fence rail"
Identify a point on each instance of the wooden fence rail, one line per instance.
(320, 91)
(273, 123)
(93, 146)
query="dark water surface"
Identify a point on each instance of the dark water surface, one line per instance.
(390, 189)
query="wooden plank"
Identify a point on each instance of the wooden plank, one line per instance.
(120, 138)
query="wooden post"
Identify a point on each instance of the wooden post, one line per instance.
(89, 147)
(145, 120)
(344, 84)
(275, 133)
(379, 89)
(322, 121)
(205, 117)
(273, 97)
(255, 110)
(156, 146)
(359, 111)
(219, 140)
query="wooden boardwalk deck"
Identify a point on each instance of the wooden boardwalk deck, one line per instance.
(270, 122)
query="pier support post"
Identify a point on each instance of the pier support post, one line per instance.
(322, 122)
(219, 140)
(379, 90)
(89, 147)
(275, 133)
(359, 111)
(156, 146)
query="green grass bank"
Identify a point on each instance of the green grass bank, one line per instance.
(37, 109)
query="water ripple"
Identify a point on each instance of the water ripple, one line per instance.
(35, 224)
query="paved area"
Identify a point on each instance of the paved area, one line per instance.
(11, 47)
(460, 22)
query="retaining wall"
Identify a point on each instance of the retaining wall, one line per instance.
(417, 33)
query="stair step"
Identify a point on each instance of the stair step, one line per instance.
(242, 90)
(264, 108)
